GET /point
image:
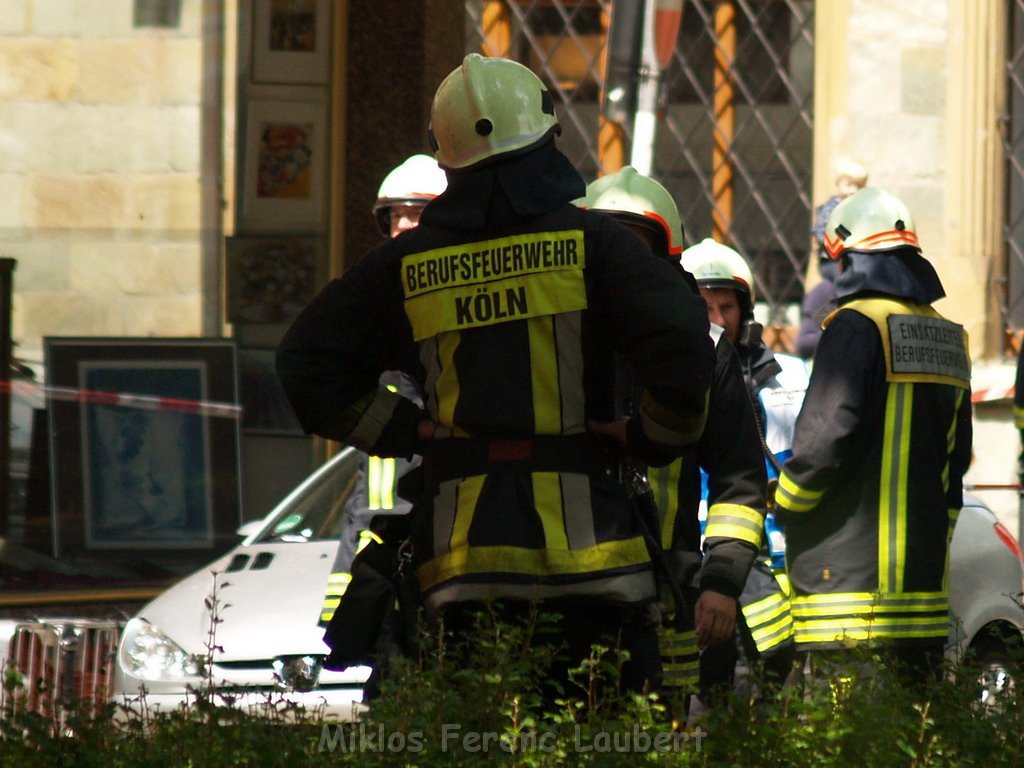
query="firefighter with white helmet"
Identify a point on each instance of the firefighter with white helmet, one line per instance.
(404, 192)
(776, 384)
(874, 485)
(729, 452)
(506, 305)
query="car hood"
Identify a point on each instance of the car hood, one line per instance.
(266, 606)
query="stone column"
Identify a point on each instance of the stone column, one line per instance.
(975, 179)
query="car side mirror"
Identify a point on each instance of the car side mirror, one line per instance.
(248, 529)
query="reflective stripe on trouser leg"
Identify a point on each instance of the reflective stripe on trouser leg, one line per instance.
(680, 659)
(337, 583)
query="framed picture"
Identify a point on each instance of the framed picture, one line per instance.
(291, 41)
(270, 279)
(265, 406)
(144, 447)
(285, 166)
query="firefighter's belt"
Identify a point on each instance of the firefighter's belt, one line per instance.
(457, 457)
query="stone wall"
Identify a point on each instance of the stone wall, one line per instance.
(99, 163)
(912, 96)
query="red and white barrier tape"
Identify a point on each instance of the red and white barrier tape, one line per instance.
(988, 394)
(146, 402)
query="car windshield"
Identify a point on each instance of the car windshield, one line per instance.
(315, 510)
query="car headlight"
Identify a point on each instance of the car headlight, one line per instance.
(149, 654)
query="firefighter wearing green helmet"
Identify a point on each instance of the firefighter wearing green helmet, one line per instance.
(729, 452)
(874, 486)
(506, 305)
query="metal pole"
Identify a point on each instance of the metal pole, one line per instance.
(6, 290)
(725, 118)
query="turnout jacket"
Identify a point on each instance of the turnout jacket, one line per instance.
(729, 453)
(874, 486)
(506, 305)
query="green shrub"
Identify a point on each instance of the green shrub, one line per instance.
(483, 703)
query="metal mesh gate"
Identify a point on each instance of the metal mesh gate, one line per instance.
(734, 145)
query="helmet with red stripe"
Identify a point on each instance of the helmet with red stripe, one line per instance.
(634, 198)
(869, 221)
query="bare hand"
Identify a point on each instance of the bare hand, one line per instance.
(425, 429)
(613, 429)
(715, 618)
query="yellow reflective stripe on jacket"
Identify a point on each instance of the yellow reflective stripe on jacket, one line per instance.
(770, 621)
(380, 483)
(794, 498)
(494, 281)
(520, 561)
(664, 482)
(447, 383)
(365, 537)
(547, 497)
(835, 617)
(337, 583)
(1018, 416)
(468, 495)
(892, 488)
(547, 415)
(863, 603)
(734, 521)
(680, 658)
(951, 438)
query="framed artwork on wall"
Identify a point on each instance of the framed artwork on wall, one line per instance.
(286, 166)
(144, 443)
(270, 279)
(291, 41)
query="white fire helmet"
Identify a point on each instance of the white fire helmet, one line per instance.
(418, 179)
(486, 108)
(870, 220)
(630, 196)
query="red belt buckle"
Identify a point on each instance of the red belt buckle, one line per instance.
(509, 450)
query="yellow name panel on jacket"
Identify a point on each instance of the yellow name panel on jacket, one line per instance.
(494, 281)
(919, 344)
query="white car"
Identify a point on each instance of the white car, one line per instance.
(269, 591)
(270, 588)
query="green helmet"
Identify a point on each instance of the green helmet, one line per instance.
(418, 179)
(631, 196)
(714, 265)
(870, 220)
(486, 108)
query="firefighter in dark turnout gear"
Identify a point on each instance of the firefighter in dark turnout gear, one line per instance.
(506, 304)
(775, 387)
(874, 486)
(729, 451)
(402, 195)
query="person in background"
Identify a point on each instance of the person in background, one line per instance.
(403, 194)
(775, 386)
(506, 305)
(820, 301)
(872, 491)
(729, 452)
